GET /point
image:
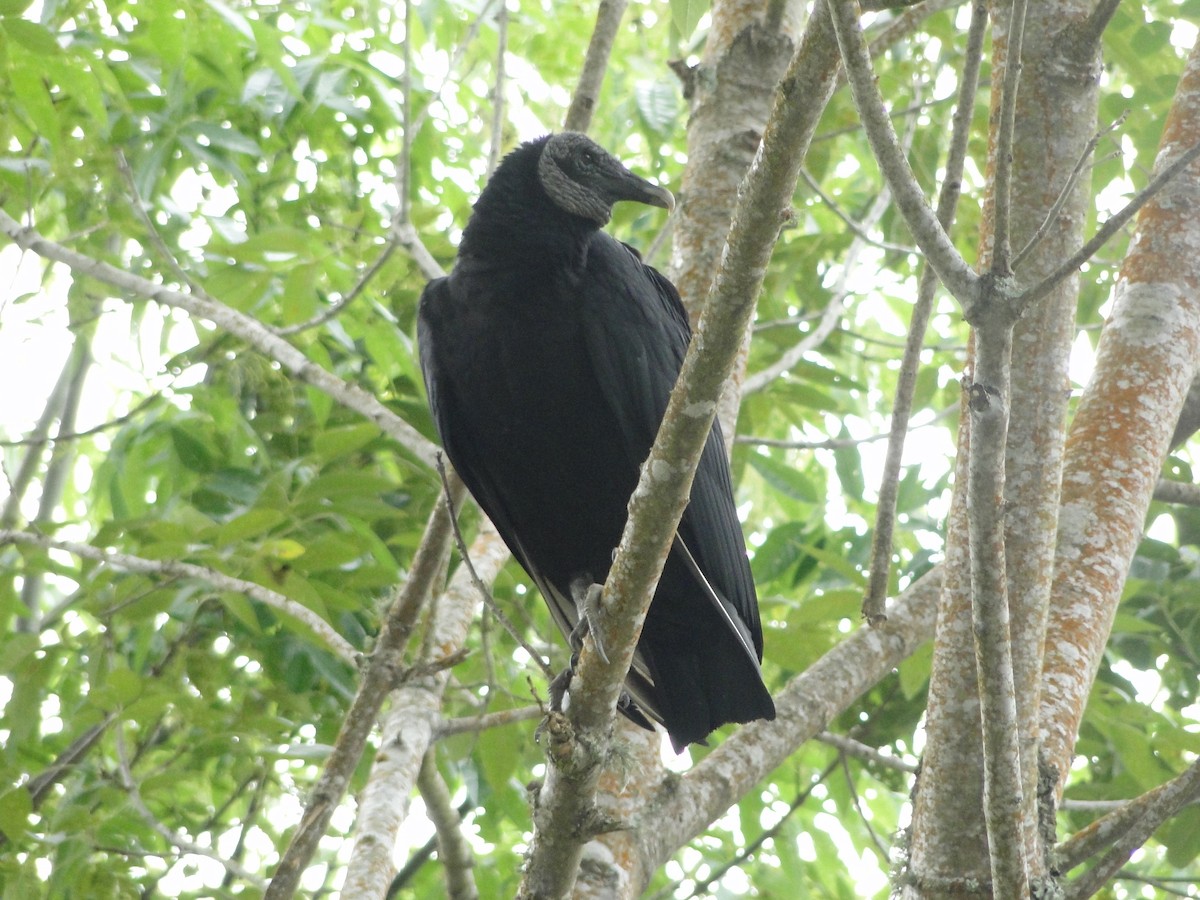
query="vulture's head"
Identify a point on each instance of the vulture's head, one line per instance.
(580, 177)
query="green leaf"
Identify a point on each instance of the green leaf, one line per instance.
(1181, 835)
(193, 451)
(784, 478)
(658, 104)
(686, 15)
(29, 88)
(30, 36)
(15, 808)
(14, 7)
(249, 524)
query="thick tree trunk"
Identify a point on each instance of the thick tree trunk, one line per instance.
(1054, 121)
(1147, 355)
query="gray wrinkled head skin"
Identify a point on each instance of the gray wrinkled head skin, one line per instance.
(585, 180)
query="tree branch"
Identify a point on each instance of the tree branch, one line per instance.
(578, 744)
(906, 380)
(1138, 821)
(453, 850)
(409, 728)
(951, 268)
(595, 63)
(168, 568)
(484, 594)
(498, 719)
(182, 844)
(682, 808)
(1065, 194)
(1112, 225)
(382, 674)
(1183, 493)
(851, 747)
(236, 323)
(1004, 134)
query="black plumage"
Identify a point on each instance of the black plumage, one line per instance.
(549, 353)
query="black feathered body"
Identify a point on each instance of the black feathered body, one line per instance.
(549, 354)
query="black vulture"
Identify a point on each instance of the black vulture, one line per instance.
(549, 353)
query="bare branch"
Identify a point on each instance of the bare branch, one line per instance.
(595, 63)
(906, 381)
(851, 747)
(381, 675)
(408, 729)
(484, 594)
(1180, 492)
(156, 240)
(498, 719)
(1004, 135)
(952, 269)
(496, 140)
(453, 850)
(353, 294)
(1093, 29)
(836, 443)
(234, 322)
(39, 435)
(684, 807)
(1115, 223)
(830, 317)
(1164, 803)
(169, 568)
(861, 230)
(703, 887)
(1065, 194)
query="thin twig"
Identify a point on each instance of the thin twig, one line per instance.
(353, 294)
(836, 443)
(1065, 193)
(851, 747)
(169, 568)
(1005, 133)
(863, 817)
(496, 145)
(953, 270)
(832, 315)
(419, 857)
(1115, 223)
(703, 886)
(234, 322)
(486, 721)
(857, 228)
(873, 608)
(156, 239)
(456, 58)
(184, 845)
(408, 127)
(40, 437)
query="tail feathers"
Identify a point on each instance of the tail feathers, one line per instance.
(699, 689)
